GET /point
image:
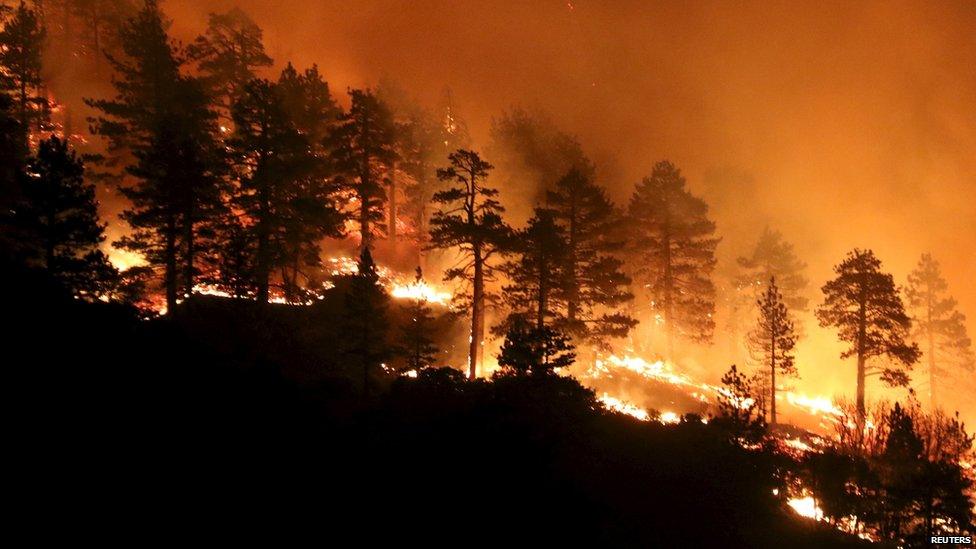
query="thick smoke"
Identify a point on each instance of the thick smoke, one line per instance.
(840, 124)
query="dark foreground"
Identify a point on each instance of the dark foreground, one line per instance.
(159, 427)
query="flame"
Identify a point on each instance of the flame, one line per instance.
(617, 405)
(806, 506)
(420, 291)
(819, 405)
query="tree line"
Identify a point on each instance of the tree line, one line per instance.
(235, 180)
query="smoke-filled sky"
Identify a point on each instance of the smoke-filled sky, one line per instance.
(841, 124)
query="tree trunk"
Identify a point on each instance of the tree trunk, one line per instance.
(392, 230)
(263, 251)
(573, 301)
(772, 377)
(861, 359)
(170, 275)
(190, 251)
(477, 314)
(668, 300)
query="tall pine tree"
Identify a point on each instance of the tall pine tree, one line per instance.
(537, 276)
(58, 223)
(469, 220)
(772, 341)
(938, 327)
(21, 48)
(864, 304)
(675, 245)
(161, 124)
(228, 54)
(362, 149)
(284, 192)
(595, 284)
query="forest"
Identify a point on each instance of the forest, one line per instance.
(239, 295)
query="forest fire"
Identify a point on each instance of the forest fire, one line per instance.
(301, 237)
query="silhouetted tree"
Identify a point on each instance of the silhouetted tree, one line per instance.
(363, 326)
(308, 102)
(228, 53)
(423, 142)
(773, 339)
(938, 327)
(361, 147)
(162, 121)
(535, 350)
(772, 257)
(469, 219)
(13, 155)
(417, 346)
(738, 410)
(864, 305)
(98, 31)
(595, 284)
(537, 288)
(58, 222)
(283, 188)
(21, 46)
(675, 245)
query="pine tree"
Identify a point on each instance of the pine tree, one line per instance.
(675, 245)
(418, 348)
(364, 325)
(361, 147)
(21, 46)
(469, 219)
(863, 303)
(773, 339)
(938, 327)
(100, 21)
(228, 54)
(308, 102)
(774, 257)
(58, 223)
(284, 190)
(534, 350)
(738, 409)
(537, 276)
(160, 121)
(532, 153)
(595, 282)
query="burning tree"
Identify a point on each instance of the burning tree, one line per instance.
(675, 244)
(418, 347)
(937, 325)
(283, 188)
(866, 308)
(57, 221)
(594, 280)
(161, 119)
(469, 220)
(535, 350)
(772, 340)
(21, 46)
(362, 147)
